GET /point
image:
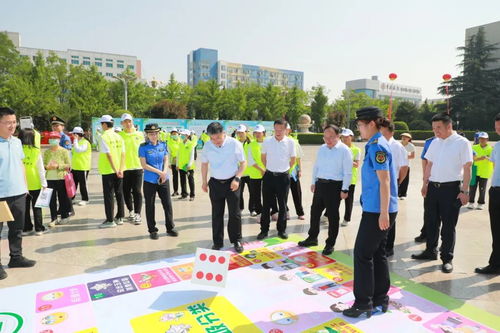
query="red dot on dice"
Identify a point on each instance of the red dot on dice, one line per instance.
(218, 278)
(199, 275)
(212, 258)
(203, 257)
(210, 276)
(222, 260)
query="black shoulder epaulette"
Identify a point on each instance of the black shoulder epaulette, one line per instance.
(144, 143)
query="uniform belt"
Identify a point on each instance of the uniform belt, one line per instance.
(445, 184)
(277, 173)
(327, 181)
(223, 181)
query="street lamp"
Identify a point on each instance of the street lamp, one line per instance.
(125, 80)
(392, 77)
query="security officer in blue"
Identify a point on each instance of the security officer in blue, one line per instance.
(379, 200)
(58, 126)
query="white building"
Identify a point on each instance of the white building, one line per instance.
(108, 64)
(492, 34)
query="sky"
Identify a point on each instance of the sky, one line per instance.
(331, 41)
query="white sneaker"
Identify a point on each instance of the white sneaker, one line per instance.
(27, 233)
(83, 203)
(63, 221)
(40, 233)
(137, 219)
(253, 214)
(402, 198)
(107, 224)
(131, 215)
(344, 223)
(470, 205)
(53, 223)
(119, 221)
(480, 206)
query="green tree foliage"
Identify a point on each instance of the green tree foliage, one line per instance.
(406, 112)
(169, 109)
(319, 107)
(295, 105)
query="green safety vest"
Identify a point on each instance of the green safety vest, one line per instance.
(173, 147)
(31, 156)
(484, 167)
(186, 153)
(355, 153)
(81, 161)
(38, 139)
(297, 144)
(132, 142)
(253, 149)
(115, 144)
(163, 136)
(204, 137)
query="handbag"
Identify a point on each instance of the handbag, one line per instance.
(69, 182)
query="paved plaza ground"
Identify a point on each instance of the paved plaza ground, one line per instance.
(81, 247)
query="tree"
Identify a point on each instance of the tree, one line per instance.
(205, 100)
(272, 103)
(318, 107)
(336, 118)
(169, 109)
(407, 112)
(350, 101)
(295, 100)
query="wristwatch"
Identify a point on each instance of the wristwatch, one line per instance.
(237, 179)
(464, 192)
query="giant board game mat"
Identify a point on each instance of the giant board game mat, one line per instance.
(273, 287)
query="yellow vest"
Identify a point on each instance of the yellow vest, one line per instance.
(185, 153)
(355, 153)
(81, 161)
(115, 144)
(38, 139)
(132, 142)
(484, 167)
(253, 150)
(31, 156)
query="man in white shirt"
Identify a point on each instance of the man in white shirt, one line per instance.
(446, 186)
(226, 158)
(331, 178)
(278, 156)
(400, 158)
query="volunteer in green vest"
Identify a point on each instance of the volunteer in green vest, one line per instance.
(173, 143)
(347, 135)
(295, 174)
(204, 137)
(133, 174)
(81, 160)
(111, 165)
(35, 176)
(484, 170)
(163, 136)
(186, 164)
(243, 137)
(255, 170)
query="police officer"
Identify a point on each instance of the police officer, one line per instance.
(153, 155)
(278, 156)
(449, 163)
(132, 176)
(493, 266)
(379, 200)
(226, 158)
(255, 170)
(331, 178)
(173, 143)
(58, 126)
(111, 165)
(347, 136)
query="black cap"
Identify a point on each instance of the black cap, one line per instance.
(369, 113)
(55, 120)
(152, 128)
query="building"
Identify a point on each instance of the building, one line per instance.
(492, 34)
(381, 90)
(108, 64)
(203, 65)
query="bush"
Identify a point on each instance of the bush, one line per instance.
(420, 125)
(401, 125)
(310, 138)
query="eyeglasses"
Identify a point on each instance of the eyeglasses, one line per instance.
(8, 123)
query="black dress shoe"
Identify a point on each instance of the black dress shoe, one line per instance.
(262, 235)
(488, 270)
(420, 238)
(175, 194)
(238, 247)
(21, 262)
(283, 235)
(216, 247)
(308, 242)
(172, 233)
(447, 267)
(153, 235)
(425, 255)
(389, 253)
(355, 312)
(327, 250)
(3, 273)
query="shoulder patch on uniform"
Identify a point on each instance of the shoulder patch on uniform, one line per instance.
(380, 157)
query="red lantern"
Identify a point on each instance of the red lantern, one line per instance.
(393, 76)
(446, 77)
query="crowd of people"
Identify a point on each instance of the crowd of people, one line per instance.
(134, 165)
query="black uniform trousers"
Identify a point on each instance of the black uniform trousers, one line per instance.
(111, 184)
(349, 201)
(244, 180)
(275, 186)
(255, 199)
(443, 206)
(163, 191)
(403, 187)
(494, 210)
(190, 179)
(296, 190)
(37, 212)
(80, 178)
(326, 195)
(481, 183)
(371, 271)
(220, 192)
(17, 206)
(59, 194)
(132, 182)
(175, 177)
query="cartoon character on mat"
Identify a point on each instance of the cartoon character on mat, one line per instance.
(171, 316)
(339, 307)
(101, 286)
(54, 318)
(284, 317)
(182, 328)
(52, 296)
(287, 276)
(451, 325)
(310, 291)
(145, 278)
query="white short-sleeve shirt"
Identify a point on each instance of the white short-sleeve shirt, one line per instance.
(224, 161)
(399, 155)
(278, 153)
(448, 157)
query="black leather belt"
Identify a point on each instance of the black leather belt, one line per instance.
(277, 173)
(445, 184)
(327, 181)
(223, 181)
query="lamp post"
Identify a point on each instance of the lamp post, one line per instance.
(392, 77)
(446, 78)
